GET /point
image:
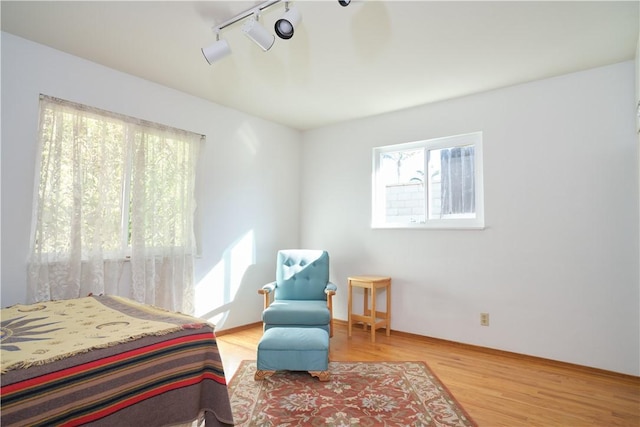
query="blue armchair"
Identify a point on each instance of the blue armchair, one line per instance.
(301, 295)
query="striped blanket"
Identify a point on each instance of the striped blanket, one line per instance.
(170, 373)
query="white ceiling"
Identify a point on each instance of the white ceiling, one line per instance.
(343, 63)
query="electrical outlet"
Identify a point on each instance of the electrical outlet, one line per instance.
(484, 319)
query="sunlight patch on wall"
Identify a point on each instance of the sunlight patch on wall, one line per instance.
(248, 136)
(215, 292)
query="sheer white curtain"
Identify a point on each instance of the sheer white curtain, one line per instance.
(110, 187)
(76, 246)
(162, 212)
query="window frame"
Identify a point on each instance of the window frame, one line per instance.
(378, 200)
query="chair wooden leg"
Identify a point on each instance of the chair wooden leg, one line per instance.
(260, 374)
(322, 375)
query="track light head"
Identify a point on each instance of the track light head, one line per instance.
(285, 26)
(344, 3)
(216, 51)
(256, 32)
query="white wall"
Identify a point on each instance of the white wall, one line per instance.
(248, 180)
(556, 266)
(637, 61)
(637, 111)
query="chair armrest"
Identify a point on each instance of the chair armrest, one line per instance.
(330, 291)
(269, 287)
(330, 288)
(266, 290)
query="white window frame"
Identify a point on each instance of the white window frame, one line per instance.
(378, 207)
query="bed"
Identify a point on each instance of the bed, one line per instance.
(108, 361)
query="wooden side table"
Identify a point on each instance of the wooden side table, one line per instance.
(371, 316)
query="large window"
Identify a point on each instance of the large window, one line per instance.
(435, 183)
(110, 188)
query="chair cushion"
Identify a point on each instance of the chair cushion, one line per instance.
(297, 312)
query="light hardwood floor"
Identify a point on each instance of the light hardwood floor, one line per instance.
(496, 388)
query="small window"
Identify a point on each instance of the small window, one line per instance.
(436, 183)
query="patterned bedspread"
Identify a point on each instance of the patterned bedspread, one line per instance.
(107, 361)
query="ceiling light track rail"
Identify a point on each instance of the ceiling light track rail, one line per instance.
(243, 15)
(284, 28)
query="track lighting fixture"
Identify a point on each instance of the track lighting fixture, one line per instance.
(216, 51)
(256, 32)
(285, 26)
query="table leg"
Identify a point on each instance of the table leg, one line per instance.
(373, 314)
(365, 311)
(389, 309)
(349, 309)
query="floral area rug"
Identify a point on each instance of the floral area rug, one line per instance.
(398, 394)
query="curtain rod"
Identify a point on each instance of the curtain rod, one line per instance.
(119, 116)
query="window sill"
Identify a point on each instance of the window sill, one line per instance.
(431, 226)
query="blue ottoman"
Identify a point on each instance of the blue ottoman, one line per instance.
(294, 349)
